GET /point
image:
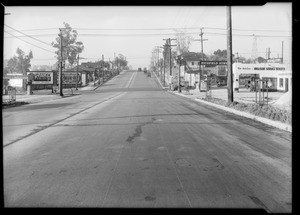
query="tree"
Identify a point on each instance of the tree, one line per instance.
(20, 63)
(120, 60)
(71, 47)
(183, 42)
(261, 60)
(220, 55)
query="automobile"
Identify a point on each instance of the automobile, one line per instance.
(149, 74)
(221, 83)
(140, 69)
(145, 70)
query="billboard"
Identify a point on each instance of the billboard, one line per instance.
(70, 78)
(42, 77)
(15, 82)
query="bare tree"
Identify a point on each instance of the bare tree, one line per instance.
(183, 41)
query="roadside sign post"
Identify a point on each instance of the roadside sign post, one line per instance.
(267, 91)
(255, 88)
(259, 93)
(12, 94)
(263, 93)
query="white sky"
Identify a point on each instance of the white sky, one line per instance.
(274, 18)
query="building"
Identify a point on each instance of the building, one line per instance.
(192, 69)
(278, 76)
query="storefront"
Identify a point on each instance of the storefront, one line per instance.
(266, 72)
(284, 81)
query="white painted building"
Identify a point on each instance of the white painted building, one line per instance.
(276, 74)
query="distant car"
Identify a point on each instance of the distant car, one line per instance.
(221, 83)
(140, 69)
(149, 74)
(145, 70)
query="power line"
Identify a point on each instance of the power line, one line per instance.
(247, 35)
(37, 29)
(28, 35)
(156, 34)
(152, 29)
(30, 43)
(34, 35)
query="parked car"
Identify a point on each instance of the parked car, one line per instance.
(221, 83)
(148, 74)
(139, 69)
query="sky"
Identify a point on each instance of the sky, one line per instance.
(134, 31)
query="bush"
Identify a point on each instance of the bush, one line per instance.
(266, 111)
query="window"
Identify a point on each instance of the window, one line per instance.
(199, 63)
(192, 63)
(281, 82)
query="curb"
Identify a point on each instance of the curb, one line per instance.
(159, 81)
(275, 124)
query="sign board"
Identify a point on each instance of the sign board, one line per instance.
(41, 77)
(16, 82)
(258, 67)
(70, 78)
(15, 76)
(213, 63)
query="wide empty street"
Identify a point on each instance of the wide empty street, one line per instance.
(130, 143)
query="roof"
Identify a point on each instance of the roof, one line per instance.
(193, 71)
(191, 56)
(81, 68)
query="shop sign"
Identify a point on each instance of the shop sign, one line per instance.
(213, 63)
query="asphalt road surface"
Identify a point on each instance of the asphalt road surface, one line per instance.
(131, 144)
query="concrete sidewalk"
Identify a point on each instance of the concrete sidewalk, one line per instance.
(36, 98)
(197, 96)
(46, 95)
(244, 96)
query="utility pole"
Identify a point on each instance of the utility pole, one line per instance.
(77, 72)
(229, 56)
(179, 58)
(157, 59)
(118, 64)
(102, 67)
(161, 72)
(170, 46)
(61, 65)
(158, 63)
(202, 56)
(114, 59)
(282, 52)
(164, 55)
(237, 57)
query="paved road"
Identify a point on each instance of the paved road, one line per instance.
(132, 144)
